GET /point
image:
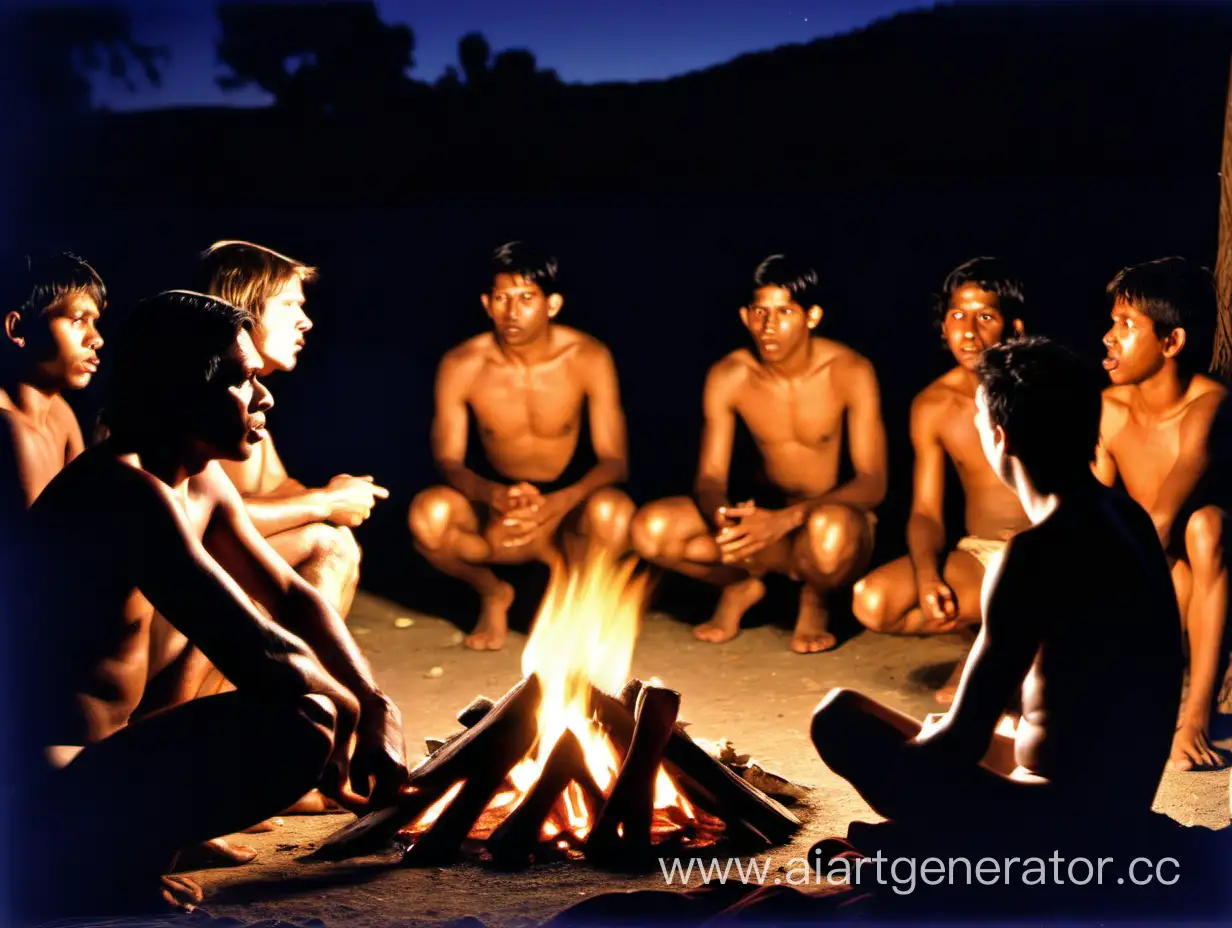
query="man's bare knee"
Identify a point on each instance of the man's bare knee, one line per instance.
(431, 515)
(1204, 539)
(650, 531)
(869, 598)
(607, 517)
(835, 539)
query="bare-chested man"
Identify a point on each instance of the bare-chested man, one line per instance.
(527, 384)
(310, 528)
(1066, 641)
(794, 394)
(929, 591)
(51, 345)
(147, 520)
(1156, 441)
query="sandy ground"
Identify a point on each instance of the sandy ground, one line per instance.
(752, 690)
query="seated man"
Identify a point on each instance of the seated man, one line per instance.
(1156, 441)
(51, 346)
(310, 528)
(1066, 641)
(527, 383)
(794, 394)
(928, 591)
(165, 529)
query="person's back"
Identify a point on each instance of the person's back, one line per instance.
(1100, 702)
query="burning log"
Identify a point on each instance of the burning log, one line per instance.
(624, 823)
(512, 843)
(705, 782)
(508, 720)
(483, 757)
(468, 718)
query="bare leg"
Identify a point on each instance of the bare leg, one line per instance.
(833, 546)
(239, 757)
(604, 520)
(326, 556)
(885, 600)
(672, 534)
(446, 532)
(1205, 620)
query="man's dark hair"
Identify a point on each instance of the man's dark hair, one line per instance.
(43, 281)
(171, 348)
(1047, 402)
(531, 263)
(796, 277)
(1173, 293)
(990, 274)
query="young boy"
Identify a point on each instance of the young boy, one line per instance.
(310, 528)
(527, 383)
(1050, 630)
(1156, 439)
(930, 591)
(794, 394)
(51, 345)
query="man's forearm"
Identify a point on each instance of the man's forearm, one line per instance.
(467, 482)
(274, 513)
(711, 497)
(309, 616)
(603, 474)
(925, 541)
(864, 492)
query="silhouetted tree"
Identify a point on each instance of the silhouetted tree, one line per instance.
(322, 58)
(51, 52)
(474, 54)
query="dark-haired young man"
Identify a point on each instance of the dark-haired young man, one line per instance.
(1157, 440)
(527, 383)
(1048, 630)
(930, 591)
(51, 345)
(169, 531)
(794, 394)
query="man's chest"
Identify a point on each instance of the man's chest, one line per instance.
(808, 413)
(1144, 455)
(546, 402)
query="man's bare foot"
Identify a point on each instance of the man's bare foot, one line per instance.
(217, 852)
(270, 824)
(1192, 751)
(314, 802)
(181, 893)
(812, 635)
(737, 599)
(489, 634)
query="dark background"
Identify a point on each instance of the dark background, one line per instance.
(1070, 139)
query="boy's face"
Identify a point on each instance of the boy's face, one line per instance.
(279, 335)
(779, 325)
(519, 309)
(231, 415)
(974, 322)
(1135, 352)
(63, 342)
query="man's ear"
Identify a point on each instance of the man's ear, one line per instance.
(12, 328)
(483, 298)
(1173, 342)
(555, 302)
(1018, 328)
(814, 316)
(744, 316)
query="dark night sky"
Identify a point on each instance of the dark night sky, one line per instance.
(584, 40)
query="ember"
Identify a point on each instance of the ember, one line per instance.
(576, 759)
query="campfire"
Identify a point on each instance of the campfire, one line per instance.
(577, 759)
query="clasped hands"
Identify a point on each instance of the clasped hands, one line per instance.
(745, 529)
(525, 512)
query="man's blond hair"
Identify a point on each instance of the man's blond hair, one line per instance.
(246, 275)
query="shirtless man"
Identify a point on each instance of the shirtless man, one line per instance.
(928, 592)
(165, 529)
(310, 528)
(51, 346)
(794, 395)
(1048, 629)
(526, 383)
(1156, 440)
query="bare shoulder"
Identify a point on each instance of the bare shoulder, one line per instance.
(1115, 409)
(940, 398)
(843, 361)
(581, 347)
(65, 418)
(465, 360)
(1206, 393)
(730, 371)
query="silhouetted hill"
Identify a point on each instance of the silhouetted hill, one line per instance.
(1092, 89)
